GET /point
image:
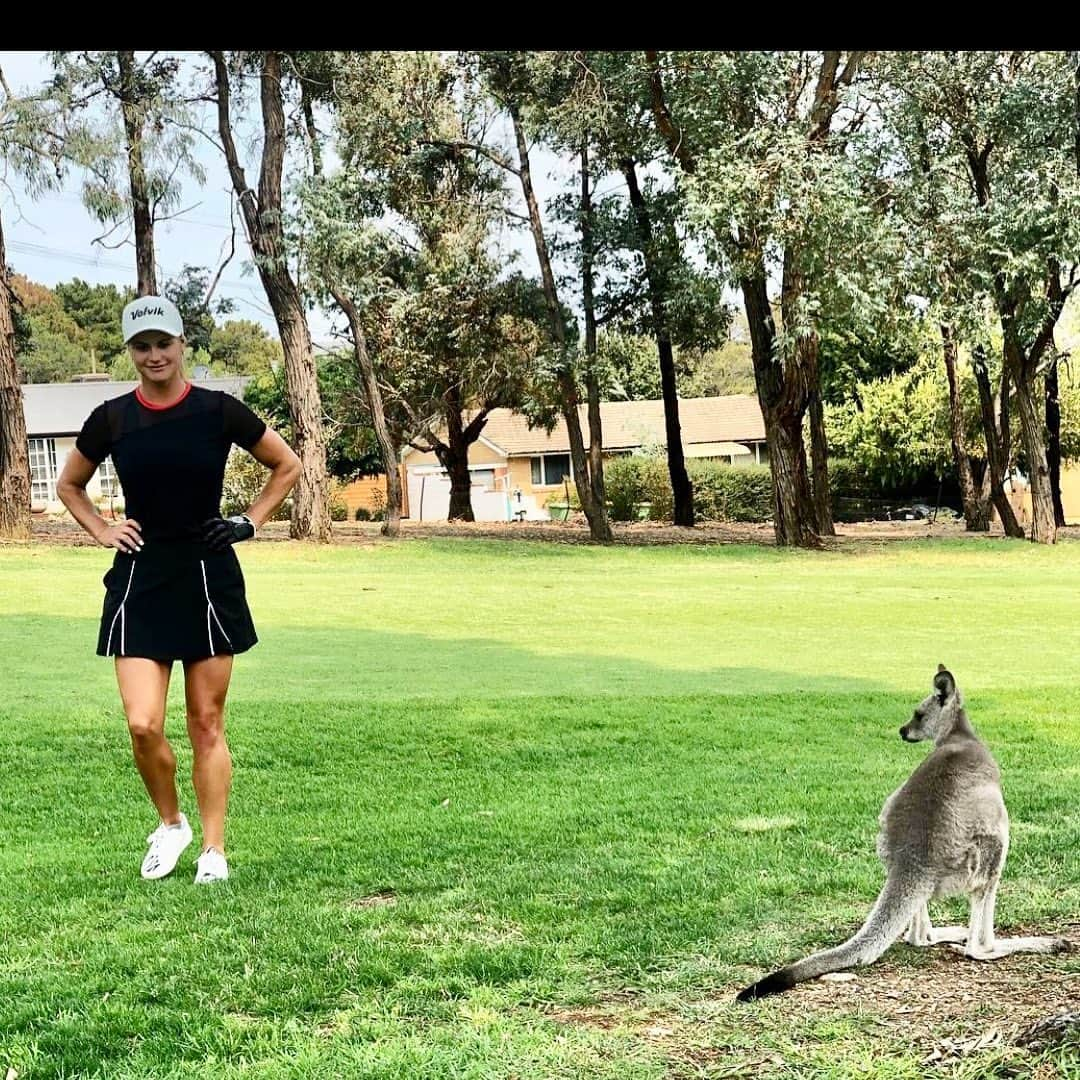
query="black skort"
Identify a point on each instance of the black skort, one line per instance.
(175, 601)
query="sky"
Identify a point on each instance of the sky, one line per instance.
(51, 238)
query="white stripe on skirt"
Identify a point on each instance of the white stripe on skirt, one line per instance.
(211, 612)
(120, 613)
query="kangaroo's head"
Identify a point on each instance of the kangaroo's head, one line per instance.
(936, 714)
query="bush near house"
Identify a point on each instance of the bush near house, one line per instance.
(640, 485)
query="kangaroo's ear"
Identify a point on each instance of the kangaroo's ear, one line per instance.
(944, 684)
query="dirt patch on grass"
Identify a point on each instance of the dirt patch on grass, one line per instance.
(383, 898)
(944, 1009)
(642, 533)
(950, 989)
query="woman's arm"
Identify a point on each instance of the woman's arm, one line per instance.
(275, 453)
(71, 490)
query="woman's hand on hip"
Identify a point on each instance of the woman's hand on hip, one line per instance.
(221, 533)
(126, 536)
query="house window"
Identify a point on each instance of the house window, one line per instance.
(110, 483)
(550, 469)
(42, 470)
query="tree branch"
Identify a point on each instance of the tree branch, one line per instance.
(672, 134)
(228, 258)
(248, 203)
(477, 424)
(485, 151)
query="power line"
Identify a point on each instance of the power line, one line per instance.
(73, 200)
(43, 251)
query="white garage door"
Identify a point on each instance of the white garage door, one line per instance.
(429, 495)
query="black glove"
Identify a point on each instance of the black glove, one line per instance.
(219, 533)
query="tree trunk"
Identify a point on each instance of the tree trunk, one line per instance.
(980, 470)
(592, 385)
(998, 442)
(681, 488)
(1043, 528)
(782, 394)
(595, 513)
(1020, 363)
(140, 194)
(311, 503)
(263, 220)
(819, 442)
(974, 520)
(783, 406)
(655, 273)
(14, 449)
(1053, 439)
(787, 456)
(373, 396)
(453, 455)
(460, 488)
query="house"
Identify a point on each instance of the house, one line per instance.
(516, 469)
(55, 413)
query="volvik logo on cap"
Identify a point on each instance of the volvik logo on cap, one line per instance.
(146, 313)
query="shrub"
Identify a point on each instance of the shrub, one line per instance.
(244, 479)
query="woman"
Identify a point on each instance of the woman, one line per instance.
(175, 590)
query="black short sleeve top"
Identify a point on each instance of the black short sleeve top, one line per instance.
(170, 460)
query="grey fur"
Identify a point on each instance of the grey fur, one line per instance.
(944, 832)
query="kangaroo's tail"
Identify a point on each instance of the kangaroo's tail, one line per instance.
(892, 912)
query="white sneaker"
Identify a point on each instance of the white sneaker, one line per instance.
(211, 867)
(167, 844)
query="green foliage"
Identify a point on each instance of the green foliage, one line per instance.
(731, 492)
(897, 429)
(407, 230)
(96, 310)
(75, 328)
(49, 345)
(188, 292)
(244, 479)
(1069, 396)
(851, 355)
(51, 357)
(988, 180)
(34, 141)
(655, 480)
(351, 449)
(627, 366)
(759, 195)
(122, 369)
(87, 89)
(721, 492)
(728, 369)
(243, 347)
(629, 370)
(19, 320)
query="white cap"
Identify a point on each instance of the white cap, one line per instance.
(151, 313)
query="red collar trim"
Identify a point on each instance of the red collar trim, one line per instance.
(158, 408)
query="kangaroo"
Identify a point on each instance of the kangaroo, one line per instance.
(944, 832)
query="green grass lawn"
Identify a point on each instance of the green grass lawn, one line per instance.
(482, 787)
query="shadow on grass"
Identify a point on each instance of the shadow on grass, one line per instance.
(44, 657)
